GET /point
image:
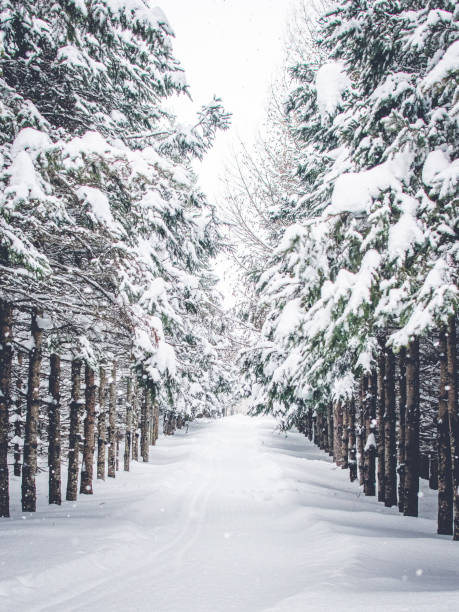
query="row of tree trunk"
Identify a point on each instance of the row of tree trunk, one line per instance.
(377, 434)
(92, 410)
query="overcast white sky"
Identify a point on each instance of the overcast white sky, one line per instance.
(231, 48)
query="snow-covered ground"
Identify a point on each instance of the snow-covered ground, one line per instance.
(230, 516)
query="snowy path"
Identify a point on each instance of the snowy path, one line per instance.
(229, 517)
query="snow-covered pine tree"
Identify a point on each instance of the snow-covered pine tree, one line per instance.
(103, 228)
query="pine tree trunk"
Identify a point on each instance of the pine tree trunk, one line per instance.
(18, 418)
(451, 388)
(136, 428)
(352, 443)
(54, 430)
(6, 361)
(309, 417)
(127, 437)
(401, 429)
(325, 432)
(151, 417)
(369, 394)
(74, 433)
(412, 430)
(319, 431)
(345, 437)
(433, 472)
(330, 428)
(315, 434)
(112, 425)
(361, 434)
(156, 421)
(145, 426)
(445, 481)
(338, 420)
(101, 426)
(118, 441)
(29, 469)
(390, 452)
(87, 467)
(380, 417)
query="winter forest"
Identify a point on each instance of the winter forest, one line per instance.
(243, 400)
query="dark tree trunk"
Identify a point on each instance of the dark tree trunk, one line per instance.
(127, 437)
(325, 431)
(101, 426)
(309, 418)
(319, 440)
(345, 437)
(54, 430)
(18, 417)
(6, 361)
(29, 469)
(370, 397)
(118, 441)
(74, 433)
(401, 429)
(330, 429)
(424, 466)
(380, 418)
(352, 442)
(433, 472)
(152, 423)
(445, 480)
(412, 430)
(112, 425)
(361, 438)
(156, 421)
(87, 467)
(338, 436)
(315, 434)
(144, 425)
(136, 428)
(390, 452)
(451, 388)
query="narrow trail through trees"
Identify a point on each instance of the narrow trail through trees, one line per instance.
(231, 516)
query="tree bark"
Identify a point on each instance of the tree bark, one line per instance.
(380, 418)
(412, 430)
(451, 388)
(74, 432)
(401, 429)
(338, 437)
(352, 443)
(87, 467)
(144, 425)
(18, 417)
(101, 426)
(445, 481)
(6, 361)
(127, 437)
(390, 451)
(29, 469)
(152, 423)
(325, 432)
(136, 428)
(370, 391)
(112, 425)
(361, 434)
(433, 472)
(330, 428)
(345, 437)
(54, 430)
(156, 421)
(309, 420)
